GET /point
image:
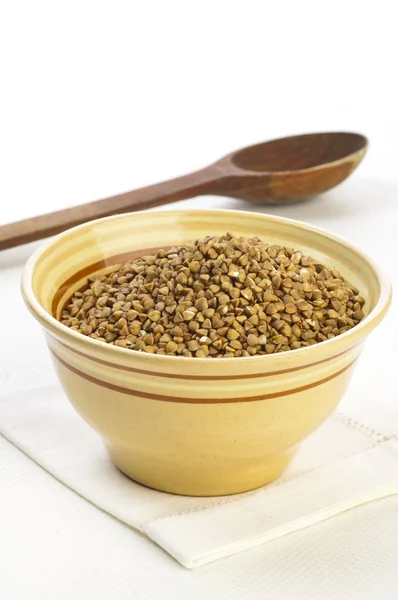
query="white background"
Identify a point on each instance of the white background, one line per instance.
(100, 97)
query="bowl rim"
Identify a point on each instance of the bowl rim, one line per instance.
(354, 334)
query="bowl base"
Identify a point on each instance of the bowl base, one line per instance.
(211, 482)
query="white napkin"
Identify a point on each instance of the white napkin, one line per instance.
(342, 465)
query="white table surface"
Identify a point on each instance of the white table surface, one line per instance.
(98, 98)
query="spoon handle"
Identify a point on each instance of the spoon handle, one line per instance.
(180, 188)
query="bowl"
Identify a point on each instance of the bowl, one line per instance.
(187, 425)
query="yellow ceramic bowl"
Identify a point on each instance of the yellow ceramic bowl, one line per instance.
(188, 425)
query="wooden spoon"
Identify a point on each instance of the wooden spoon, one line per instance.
(290, 169)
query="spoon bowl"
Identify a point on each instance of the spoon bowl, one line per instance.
(289, 169)
(295, 168)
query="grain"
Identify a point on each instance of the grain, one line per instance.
(223, 296)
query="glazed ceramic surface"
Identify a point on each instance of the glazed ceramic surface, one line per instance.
(187, 425)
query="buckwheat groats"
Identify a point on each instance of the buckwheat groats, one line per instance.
(223, 296)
